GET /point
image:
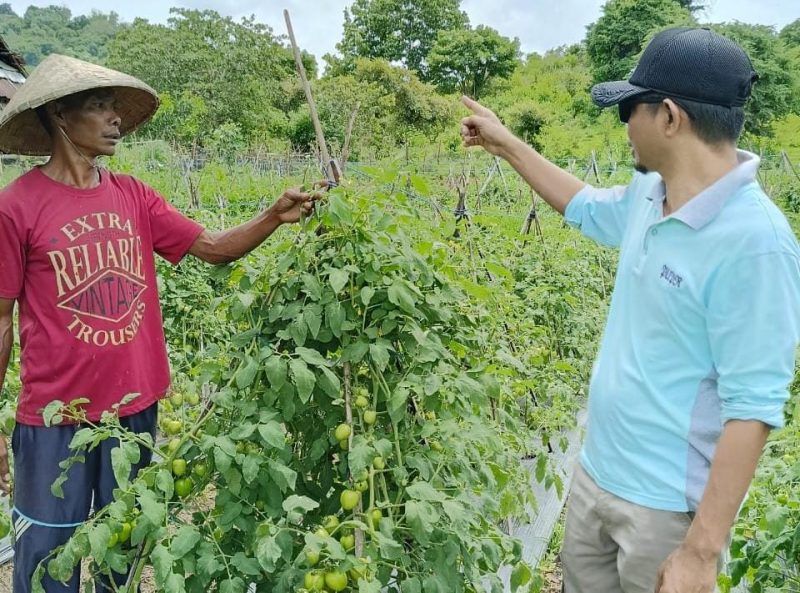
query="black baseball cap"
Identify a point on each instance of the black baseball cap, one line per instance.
(686, 63)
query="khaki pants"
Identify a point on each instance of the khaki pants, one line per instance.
(612, 545)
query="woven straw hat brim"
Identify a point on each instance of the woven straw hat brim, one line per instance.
(57, 76)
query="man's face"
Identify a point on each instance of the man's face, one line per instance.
(641, 136)
(92, 123)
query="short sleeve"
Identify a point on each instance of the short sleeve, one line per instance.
(173, 233)
(753, 325)
(12, 258)
(601, 213)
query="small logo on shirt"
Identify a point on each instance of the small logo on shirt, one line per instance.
(671, 277)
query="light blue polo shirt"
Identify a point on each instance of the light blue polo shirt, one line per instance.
(702, 329)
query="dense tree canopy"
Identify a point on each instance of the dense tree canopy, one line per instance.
(467, 60)
(398, 30)
(53, 29)
(219, 71)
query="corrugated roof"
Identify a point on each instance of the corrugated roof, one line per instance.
(9, 73)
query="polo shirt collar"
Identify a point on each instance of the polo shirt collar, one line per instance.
(705, 206)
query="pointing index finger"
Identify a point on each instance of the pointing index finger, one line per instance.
(474, 106)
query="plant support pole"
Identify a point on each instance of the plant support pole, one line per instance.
(331, 171)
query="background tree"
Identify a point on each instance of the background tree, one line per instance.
(614, 42)
(398, 30)
(53, 29)
(467, 60)
(790, 34)
(240, 70)
(394, 106)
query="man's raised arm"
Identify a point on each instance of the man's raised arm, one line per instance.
(484, 128)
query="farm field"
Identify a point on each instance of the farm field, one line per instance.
(390, 396)
(386, 376)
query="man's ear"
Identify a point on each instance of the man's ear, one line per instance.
(676, 118)
(56, 112)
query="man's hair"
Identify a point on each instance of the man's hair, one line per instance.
(71, 102)
(713, 124)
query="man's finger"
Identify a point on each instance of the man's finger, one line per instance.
(476, 107)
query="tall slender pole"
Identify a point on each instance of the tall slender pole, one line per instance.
(333, 173)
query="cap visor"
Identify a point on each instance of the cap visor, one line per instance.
(607, 94)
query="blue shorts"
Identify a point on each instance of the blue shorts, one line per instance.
(42, 522)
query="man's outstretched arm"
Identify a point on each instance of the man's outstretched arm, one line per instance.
(484, 128)
(222, 247)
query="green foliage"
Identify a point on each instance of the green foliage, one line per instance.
(219, 72)
(765, 549)
(366, 309)
(775, 94)
(467, 60)
(615, 40)
(393, 104)
(547, 103)
(790, 34)
(53, 29)
(398, 31)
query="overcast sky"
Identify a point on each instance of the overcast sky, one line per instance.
(539, 24)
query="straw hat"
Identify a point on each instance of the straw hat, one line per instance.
(57, 76)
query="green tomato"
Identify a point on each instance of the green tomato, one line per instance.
(192, 398)
(378, 463)
(200, 470)
(342, 432)
(312, 557)
(362, 402)
(349, 499)
(183, 486)
(174, 427)
(321, 532)
(125, 532)
(336, 580)
(179, 467)
(344, 445)
(370, 416)
(314, 581)
(375, 516)
(176, 399)
(330, 523)
(362, 486)
(173, 445)
(348, 542)
(113, 541)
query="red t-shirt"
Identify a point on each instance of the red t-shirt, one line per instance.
(80, 264)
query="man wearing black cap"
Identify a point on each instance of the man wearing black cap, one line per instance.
(699, 348)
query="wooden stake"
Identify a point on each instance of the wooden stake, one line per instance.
(348, 133)
(329, 167)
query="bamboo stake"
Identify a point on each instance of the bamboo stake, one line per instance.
(331, 171)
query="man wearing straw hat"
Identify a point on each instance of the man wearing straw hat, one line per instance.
(77, 245)
(699, 348)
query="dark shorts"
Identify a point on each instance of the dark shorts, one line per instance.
(43, 522)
